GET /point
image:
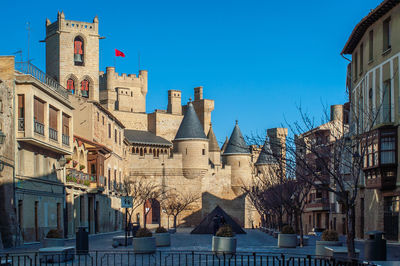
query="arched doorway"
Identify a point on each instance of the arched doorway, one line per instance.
(152, 208)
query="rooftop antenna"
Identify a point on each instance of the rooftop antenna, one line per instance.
(28, 28)
(139, 60)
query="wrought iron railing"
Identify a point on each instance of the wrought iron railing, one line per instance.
(28, 68)
(39, 128)
(166, 258)
(21, 124)
(65, 139)
(53, 134)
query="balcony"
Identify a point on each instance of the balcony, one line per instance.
(21, 124)
(78, 177)
(380, 159)
(385, 180)
(65, 139)
(319, 204)
(39, 128)
(28, 68)
(53, 134)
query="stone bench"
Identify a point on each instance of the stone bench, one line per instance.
(339, 252)
(56, 254)
(121, 240)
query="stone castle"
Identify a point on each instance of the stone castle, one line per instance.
(79, 133)
(176, 147)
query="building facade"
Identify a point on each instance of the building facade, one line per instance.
(373, 85)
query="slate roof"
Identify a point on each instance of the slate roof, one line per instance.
(236, 144)
(190, 127)
(207, 225)
(224, 145)
(212, 141)
(144, 137)
(266, 156)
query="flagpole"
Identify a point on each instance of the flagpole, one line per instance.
(115, 63)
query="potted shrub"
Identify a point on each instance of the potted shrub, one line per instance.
(144, 242)
(81, 167)
(328, 238)
(163, 238)
(54, 238)
(287, 238)
(224, 240)
(74, 163)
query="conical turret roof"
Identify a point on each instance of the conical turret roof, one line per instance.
(190, 127)
(212, 141)
(236, 144)
(224, 145)
(266, 156)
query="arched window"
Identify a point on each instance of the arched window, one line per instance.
(71, 85)
(141, 152)
(78, 51)
(85, 88)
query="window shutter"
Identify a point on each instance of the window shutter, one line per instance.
(39, 111)
(53, 118)
(65, 121)
(21, 106)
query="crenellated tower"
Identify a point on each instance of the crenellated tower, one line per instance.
(72, 55)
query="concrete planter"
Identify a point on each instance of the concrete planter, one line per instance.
(163, 239)
(224, 244)
(121, 240)
(144, 244)
(305, 240)
(53, 242)
(287, 240)
(320, 247)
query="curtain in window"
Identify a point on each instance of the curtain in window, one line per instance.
(85, 88)
(78, 47)
(71, 85)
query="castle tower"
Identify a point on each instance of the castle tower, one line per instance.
(238, 156)
(192, 143)
(277, 137)
(224, 145)
(266, 164)
(174, 102)
(123, 92)
(72, 55)
(213, 148)
(203, 108)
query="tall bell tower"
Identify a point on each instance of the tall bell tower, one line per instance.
(72, 55)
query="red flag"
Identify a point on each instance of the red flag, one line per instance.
(119, 53)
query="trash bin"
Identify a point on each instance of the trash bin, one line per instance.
(82, 240)
(375, 246)
(135, 228)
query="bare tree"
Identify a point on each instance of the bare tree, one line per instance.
(140, 189)
(177, 202)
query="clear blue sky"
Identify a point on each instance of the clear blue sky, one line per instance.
(256, 59)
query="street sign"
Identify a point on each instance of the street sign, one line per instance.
(126, 202)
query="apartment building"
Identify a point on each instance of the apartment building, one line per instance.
(373, 85)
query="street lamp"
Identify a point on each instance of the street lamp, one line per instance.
(2, 137)
(62, 161)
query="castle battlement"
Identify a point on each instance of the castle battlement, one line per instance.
(71, 25)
